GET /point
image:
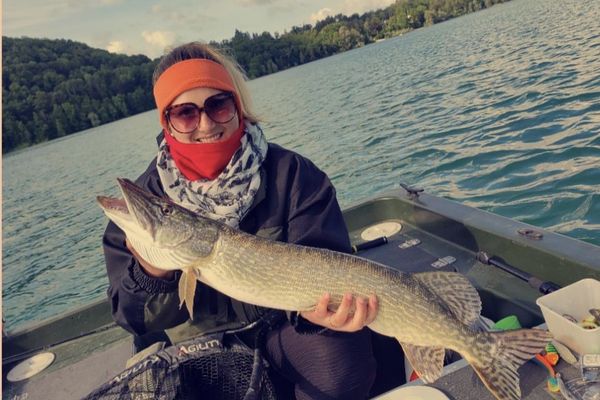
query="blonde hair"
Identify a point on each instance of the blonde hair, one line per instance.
(201, 50)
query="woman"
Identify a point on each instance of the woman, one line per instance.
(214, 159)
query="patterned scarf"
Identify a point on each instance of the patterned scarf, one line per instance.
(228, 197)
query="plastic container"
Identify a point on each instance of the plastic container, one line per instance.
(574, 300)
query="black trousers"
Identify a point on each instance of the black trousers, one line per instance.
(324, 366)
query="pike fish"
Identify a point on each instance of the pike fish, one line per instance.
(425, 312)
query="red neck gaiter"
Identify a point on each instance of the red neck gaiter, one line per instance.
(203, 160)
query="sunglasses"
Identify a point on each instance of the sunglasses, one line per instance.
(185, 118)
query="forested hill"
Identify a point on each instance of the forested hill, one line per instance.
(52, 88)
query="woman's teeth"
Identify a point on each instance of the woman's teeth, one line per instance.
(211, 138)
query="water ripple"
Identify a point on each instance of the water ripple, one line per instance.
(499, 109)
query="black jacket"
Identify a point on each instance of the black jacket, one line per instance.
(296, 203)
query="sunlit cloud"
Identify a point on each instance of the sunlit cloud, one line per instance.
(320, 15)
(349, 7)
(361, 6)
(159, 39)
(117, 46)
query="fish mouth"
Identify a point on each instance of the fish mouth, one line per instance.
(129, 213)
(113, 205)
(138, 214)
(115, 209)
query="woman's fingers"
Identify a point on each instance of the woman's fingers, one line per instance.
(360, 315)
(339, 318)
(343, 320)
(321, 308)
(373, 308)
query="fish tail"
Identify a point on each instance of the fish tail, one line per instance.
(496, 356)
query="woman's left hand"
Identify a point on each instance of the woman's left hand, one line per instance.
(343, 319)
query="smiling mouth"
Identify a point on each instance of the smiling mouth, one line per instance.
(209, 139)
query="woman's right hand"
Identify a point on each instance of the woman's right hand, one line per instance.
(147, 267)
(343, 319)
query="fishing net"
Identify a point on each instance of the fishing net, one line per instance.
(201, 368)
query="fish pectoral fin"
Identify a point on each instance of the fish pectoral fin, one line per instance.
(187, 290)
(456, 292)
(426, 361)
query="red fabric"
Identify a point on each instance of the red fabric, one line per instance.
(203, 160)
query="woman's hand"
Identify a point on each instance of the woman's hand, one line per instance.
(147, 267)
(342, 319)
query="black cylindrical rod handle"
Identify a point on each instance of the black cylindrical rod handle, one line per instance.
(369, 244)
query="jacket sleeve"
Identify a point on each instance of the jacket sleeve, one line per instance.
(130, 289)
(315, 218)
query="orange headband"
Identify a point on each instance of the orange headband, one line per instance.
(190, 74)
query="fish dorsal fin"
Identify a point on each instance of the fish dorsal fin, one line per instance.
(427, 361)
(187, 289)
(456, 292)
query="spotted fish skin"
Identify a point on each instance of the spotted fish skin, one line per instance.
(426, 312)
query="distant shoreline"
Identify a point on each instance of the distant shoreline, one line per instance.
(55, 88)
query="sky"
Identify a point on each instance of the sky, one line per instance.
(149, 26)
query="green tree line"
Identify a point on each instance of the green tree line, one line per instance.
(52, 88)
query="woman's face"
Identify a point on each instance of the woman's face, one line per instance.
(208, 131)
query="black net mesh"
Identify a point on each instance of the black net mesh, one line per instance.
(199, 369)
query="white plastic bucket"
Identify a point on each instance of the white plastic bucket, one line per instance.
(574, 300)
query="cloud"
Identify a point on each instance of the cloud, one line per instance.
(320, 15)
(361, 6)
(159, 39)
(251, 3)
(186, 17)
(21, 17)
(117, 46)
(349, 7)
(88, 4)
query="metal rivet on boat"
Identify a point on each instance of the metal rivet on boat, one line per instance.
(387, 229)
(30, 367)
(530, 233)
(444, 261)
(409, 243)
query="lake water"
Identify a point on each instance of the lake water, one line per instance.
(499, 109)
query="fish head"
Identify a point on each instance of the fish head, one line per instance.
(165, 234)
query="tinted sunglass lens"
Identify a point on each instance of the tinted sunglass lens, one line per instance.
(185, 118)
(220, 109)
